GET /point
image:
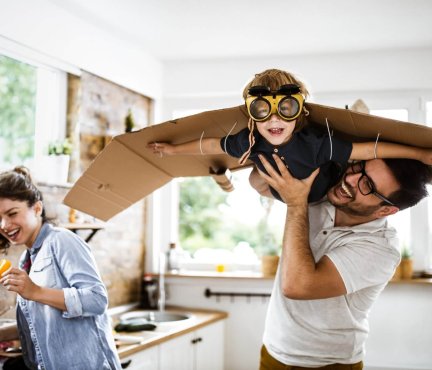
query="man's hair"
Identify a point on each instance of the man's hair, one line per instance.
(413, 177)
(274, 79)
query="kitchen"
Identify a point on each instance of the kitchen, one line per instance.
(72, 38)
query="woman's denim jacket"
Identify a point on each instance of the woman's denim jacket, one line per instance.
(81, 337)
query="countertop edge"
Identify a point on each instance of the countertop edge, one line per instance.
(205, 318)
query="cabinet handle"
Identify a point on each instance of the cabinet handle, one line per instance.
(199, 339)
(126, 364)
(193, 341)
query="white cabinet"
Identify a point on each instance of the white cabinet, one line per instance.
(177, 353)
(202, 349)
(209, 350)
(147, 359)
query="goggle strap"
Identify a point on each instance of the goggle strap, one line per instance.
(246, 154)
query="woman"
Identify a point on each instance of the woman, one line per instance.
(61, 301)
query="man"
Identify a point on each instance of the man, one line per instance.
(337, 256)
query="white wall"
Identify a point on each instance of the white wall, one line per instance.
(400, 321)
(52, 31)
(215, 83)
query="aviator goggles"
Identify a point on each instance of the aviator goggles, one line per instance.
(287, 102)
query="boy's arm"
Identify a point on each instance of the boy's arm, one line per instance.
(365, 151)
(207, 146)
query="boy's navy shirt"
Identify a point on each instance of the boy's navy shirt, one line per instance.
(307, 150)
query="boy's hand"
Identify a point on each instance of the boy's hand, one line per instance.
(292, 191)
(161, 148)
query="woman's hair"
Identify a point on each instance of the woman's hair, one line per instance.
(274, 79)
(17, 185)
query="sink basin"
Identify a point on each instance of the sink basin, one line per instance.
(155, 316)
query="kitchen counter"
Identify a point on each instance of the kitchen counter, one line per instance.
(164, 331)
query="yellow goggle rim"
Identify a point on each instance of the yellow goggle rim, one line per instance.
(274, 106)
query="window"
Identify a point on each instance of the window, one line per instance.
(230, 213)
(401, 221)
(32, 110)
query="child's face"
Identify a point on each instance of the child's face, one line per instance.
(276, 130)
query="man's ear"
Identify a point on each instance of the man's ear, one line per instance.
(386, 211)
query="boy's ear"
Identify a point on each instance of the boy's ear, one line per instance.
(387, 211)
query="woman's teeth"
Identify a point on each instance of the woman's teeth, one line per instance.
(13, 233)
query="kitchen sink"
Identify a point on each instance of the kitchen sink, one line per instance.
(156, 316)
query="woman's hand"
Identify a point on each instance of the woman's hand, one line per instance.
(292, 191)
(161, 148)
(18, 281)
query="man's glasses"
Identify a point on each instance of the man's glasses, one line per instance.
(365, 183)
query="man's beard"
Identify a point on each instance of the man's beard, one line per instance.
(347, 208)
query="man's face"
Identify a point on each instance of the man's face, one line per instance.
(346, 195)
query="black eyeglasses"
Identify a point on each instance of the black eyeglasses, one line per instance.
(365, 183)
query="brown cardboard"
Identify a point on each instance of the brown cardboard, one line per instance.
(126, 171)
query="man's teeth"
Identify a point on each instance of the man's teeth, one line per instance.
(345, 189)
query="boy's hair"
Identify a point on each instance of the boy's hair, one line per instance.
(413, 177)
(17, 185)
(274, 79)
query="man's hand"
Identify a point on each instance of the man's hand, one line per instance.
(292, 191)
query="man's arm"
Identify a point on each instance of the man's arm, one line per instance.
(302, 277)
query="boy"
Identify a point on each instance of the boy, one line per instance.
(275, 103)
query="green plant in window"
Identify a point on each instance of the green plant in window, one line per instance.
(60, 147)
(17, 110)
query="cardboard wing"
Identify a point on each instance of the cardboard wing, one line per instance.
(126, 171)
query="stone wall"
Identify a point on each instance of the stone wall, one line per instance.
(96, 111)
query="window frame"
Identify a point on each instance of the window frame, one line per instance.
(163, 212)
(51, 93)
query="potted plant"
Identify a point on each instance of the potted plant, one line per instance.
(406, 265)
(57, 161)
(267, 246)
(269, 256)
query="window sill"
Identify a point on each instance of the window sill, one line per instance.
(412, 281)
(220, 275)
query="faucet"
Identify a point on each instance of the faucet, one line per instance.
(162, 294)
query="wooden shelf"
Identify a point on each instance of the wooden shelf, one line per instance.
(92, 227)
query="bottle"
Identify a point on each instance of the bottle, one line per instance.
(149, 293)
(173, 263)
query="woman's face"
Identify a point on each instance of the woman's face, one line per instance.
(19, 223)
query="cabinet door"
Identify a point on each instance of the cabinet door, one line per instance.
(177, 353)
(144, 360)
(209, 349)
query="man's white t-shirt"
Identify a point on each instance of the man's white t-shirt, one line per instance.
(314, 333)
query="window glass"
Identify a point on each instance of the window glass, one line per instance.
(32, 112)
(429, 123)
(401, 220)
(17, 110)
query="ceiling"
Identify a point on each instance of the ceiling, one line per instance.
(203, 29)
